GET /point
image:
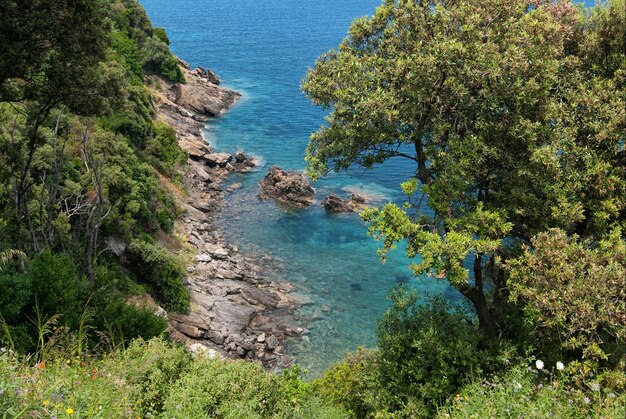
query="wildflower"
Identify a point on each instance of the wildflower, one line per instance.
(69, 410)
(539, 364)
(40, 365)
(587, 400)
(560, 366)
(46, 402)
(594, 387)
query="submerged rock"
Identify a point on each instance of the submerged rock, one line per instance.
(289, 188)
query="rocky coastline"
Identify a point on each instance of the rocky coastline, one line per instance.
(235, 311)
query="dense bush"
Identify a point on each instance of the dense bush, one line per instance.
(153, 265)
(427, 352)
(355, 384)
(50, 286)
(158, 59)
(163, 151)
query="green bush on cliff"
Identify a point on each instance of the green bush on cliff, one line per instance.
(152, 264)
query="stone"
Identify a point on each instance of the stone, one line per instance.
(289, 188)
(261, 338)
(160, 312)
(218, 159)
(240, 157)
(115, 246)
(271, 342)
(334, 203)
(189, 330)
(359, 199)
(212, 77)
(232, 316)
(203, 258)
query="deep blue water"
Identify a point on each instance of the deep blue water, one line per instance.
(263, 49)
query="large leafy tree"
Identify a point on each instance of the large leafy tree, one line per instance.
(512, 112)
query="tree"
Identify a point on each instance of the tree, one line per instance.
(50, 57)
(511, 112)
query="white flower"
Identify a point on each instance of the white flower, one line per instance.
(539, 364)
(560, 366)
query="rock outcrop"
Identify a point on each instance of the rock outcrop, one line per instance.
(288, 188)
(334, 203)
(232, 303)
(186, 107)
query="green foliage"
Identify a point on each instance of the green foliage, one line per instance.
(155, 378)
(161, 35)
(153, 265)
(78, 147)
(355, 385)
(57, 288)
(537, 394)
(128, 53)
(154, 367)
(139, 45)
(512, 115)
(576, 293)
(425, 354)
(428, 352)
(163, 149)
(157, 58)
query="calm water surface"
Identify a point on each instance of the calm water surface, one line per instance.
(263, 49)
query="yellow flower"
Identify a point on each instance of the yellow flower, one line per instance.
(69, 411)
(46, 402)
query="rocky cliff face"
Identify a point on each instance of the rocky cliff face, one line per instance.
(232, 303)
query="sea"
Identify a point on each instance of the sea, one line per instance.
(263, 50)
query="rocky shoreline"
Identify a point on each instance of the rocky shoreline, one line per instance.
(235, 311)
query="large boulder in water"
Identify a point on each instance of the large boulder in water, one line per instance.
(289, 188)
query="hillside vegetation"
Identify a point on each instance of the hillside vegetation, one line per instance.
(513, 113)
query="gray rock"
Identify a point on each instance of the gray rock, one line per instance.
(232, 316)
(334, 203)
(218, 159)
(212, 77)
(289, 188)
(271, 342)
(203, 258)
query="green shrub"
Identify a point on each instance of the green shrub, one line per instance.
(160, 33)
(163, 150)
(354, 384)
(223, 389)
(428, 352)
(58, 288)
(524, 392)
(153, 265)
(159, 59)
(153, 367)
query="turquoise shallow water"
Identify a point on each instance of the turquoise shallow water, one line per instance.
(263, 49)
